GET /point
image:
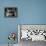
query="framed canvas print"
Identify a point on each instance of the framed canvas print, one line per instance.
(32, 32)
(10, 12)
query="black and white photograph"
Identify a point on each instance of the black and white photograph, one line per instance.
(11, 12)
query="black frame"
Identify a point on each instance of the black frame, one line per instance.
(10, 10)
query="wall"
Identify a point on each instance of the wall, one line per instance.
(29, 12)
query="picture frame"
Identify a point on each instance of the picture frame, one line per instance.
(10, 12)
(38, 32)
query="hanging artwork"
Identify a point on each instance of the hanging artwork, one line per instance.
(11, 12)
(32, 32)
